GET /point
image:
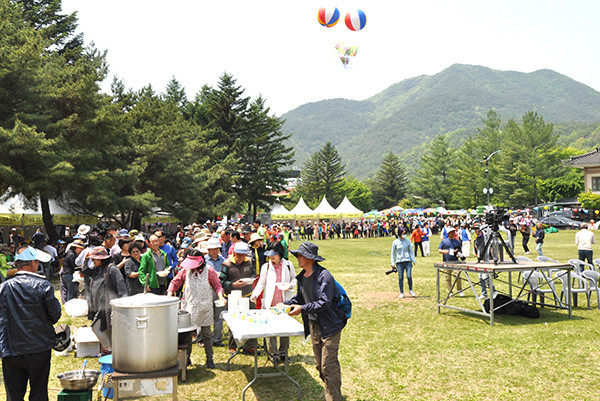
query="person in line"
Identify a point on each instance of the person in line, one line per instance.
(448, 248)
(403, 258)
(278, 281)
(67, 286)
(235, 270)
(106, 284)
(154, 262)
(131, 269)
(215, 260)
(323, 320)
(171, 252)
(585, 239)
(200, 282)
(539, 236)
(28, 311)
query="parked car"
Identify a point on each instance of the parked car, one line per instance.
(560, 222)
(569, 214)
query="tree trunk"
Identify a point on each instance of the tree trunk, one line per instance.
(47, 218)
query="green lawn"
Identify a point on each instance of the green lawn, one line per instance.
(403, 350)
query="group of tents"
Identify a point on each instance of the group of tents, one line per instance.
(346, 210)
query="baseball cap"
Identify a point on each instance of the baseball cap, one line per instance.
(29, 254)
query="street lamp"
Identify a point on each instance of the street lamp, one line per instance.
(487, 190)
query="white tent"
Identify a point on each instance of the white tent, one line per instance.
(13, 211)
(347, 209)
(279, 212)
(326, 211)
(301, 211)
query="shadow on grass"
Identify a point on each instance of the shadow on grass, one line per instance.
(547, 315)
(280, 387)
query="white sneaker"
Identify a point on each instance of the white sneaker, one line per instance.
(526, 253)
(462, 294)
(411, 292)
(401, 296)
(482, 296)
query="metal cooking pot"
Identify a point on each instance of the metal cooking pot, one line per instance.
(144, 333)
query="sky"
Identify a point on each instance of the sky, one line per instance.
(277, 48)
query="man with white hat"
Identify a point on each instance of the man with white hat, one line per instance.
(28, 311)
(215, 260)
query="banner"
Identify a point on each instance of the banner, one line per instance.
(159, 219)
(10, 219)
(86, 219)
(282, 217)
(64, 219)
(33, 220)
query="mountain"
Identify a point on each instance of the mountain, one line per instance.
(406, 116)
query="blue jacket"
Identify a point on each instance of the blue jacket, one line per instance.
(330, 318)
(28, 311)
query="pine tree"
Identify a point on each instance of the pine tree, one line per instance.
(389, 185)
(432, 184)
(323, 175)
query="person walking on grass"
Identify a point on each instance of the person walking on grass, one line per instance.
(323, 319)
(403, 258)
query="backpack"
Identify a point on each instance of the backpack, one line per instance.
(344, 304)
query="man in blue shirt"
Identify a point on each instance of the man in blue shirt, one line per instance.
(448, 248)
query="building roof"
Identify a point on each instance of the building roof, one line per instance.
(586, 160)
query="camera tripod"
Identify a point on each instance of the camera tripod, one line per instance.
(495, 235)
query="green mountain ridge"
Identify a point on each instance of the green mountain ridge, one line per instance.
(412, 112)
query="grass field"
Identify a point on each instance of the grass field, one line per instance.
(396, 349)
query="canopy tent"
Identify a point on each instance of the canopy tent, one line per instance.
(347, 209)
(13, 211)
(301, 211)
(279, 212)
(326, 211)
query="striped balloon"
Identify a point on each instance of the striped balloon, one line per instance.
(356, 20)
(328, 16)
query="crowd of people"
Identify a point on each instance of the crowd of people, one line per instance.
(199, 263)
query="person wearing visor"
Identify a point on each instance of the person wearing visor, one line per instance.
(278, 281)
(200, 281)
(28, 311)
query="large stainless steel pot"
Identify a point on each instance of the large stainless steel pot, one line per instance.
(144, 333)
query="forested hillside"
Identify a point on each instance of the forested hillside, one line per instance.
(411, 113)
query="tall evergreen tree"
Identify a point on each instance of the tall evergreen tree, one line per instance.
(390, 182)
(432, 184)
(528, 160)
(265, 160)
(323, 175)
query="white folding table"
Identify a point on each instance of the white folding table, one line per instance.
(243, 329)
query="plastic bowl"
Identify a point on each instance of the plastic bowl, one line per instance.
(73, 381)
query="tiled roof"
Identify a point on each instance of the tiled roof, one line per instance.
(586, 160)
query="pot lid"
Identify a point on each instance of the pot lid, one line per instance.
(144, 300)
